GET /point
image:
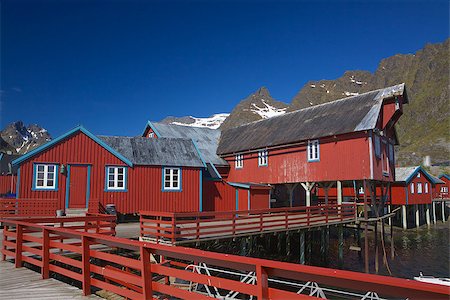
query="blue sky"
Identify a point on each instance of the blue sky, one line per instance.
(112, 65)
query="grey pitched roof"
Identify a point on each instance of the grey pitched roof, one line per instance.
(5, 161)
(403, 173)
(159, 152)
(357, 113)
(206, 139)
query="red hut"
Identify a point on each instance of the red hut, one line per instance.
(79, 170)
(8, 174)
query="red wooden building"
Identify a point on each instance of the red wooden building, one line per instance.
(134, 173)
(343, 142)
(442, 188)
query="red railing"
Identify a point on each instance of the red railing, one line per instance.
(127, 268)
(440, 196)
(186, 227)
(27, 207)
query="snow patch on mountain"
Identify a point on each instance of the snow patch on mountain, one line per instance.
(212, 122)
(267, 111)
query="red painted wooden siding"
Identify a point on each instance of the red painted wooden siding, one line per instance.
(243, 199)
(343, 158)
(5, 184)
(144, 182)
(259, 199)
(78, 186)
(218, 196)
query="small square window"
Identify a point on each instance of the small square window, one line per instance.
(239, 163)
(172, 179)
(45, 177)
(116, 178)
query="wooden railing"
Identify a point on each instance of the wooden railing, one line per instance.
(96, 207)
(185, 227)
(27, 207)
(126, 267)
(440, 196)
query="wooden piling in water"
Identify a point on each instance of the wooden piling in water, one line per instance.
(302, 247)
(376, 247)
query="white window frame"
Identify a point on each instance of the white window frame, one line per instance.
(313, 151)
(419, 188)
(418, 175)
(444, 189)
(172, 177)
(45, 177)
(412, 187)
(151, 135)
(115, 180)
(263, 157)
(239, 162)
(426, 187)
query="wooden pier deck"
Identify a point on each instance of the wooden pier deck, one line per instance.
(22, 283)
(182, 228)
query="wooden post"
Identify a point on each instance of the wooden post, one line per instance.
(376, 247)
(19, 242)
(86, 265)
(45, 273)
(417, 216)
(404, 217)
(366, 231)
(427, 214)
(443, 211)
(339, 192)
(434, 212)
(392, 242)
(309, 245)
(146, 273)
(288, 244)
(358, 239)
(390, 218)
(341, 244)
(302, 247)
(308, 186)
(262, 281)
(5, 238)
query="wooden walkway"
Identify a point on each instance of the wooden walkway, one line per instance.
(22, 283)
(181, 228)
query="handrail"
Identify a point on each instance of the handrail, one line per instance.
(17, 239)
(25, 207)
(184, 227)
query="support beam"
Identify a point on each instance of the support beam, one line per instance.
(392, 243)
(404, 217)
(443, 211)
(434, 212)
(339, 192)
(326, 188)
(417, 218)
(389, 219)
(308, 186)
(366, 231)
(341, 244)
(376, 247)
(291, 187)
(427, 214)
(302, 247)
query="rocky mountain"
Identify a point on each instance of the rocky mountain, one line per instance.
(257, 106)
(212, 122)
(424, 128)
(18, 138)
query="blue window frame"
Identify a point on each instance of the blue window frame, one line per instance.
(116, 178)
(171, 179)
(45, 177)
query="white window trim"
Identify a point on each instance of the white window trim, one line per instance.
(426, 187)
(171, 180)
(419, 188)
(412, 187)
(313, 151)
(151, 135)
(263, 158)
(115, 186)
(45, 185)
(239, 161)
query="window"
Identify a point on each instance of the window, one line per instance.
(151, 135)
(377, 146)
(361, 190)
(385, 162)
(412, 188)
(239, 163)
(116, 178)
(418, 175)
(262, 157)
(419, 188)
(444, 189)
(313, 150)
(172, 179)
(45, 177)
(426, 187)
